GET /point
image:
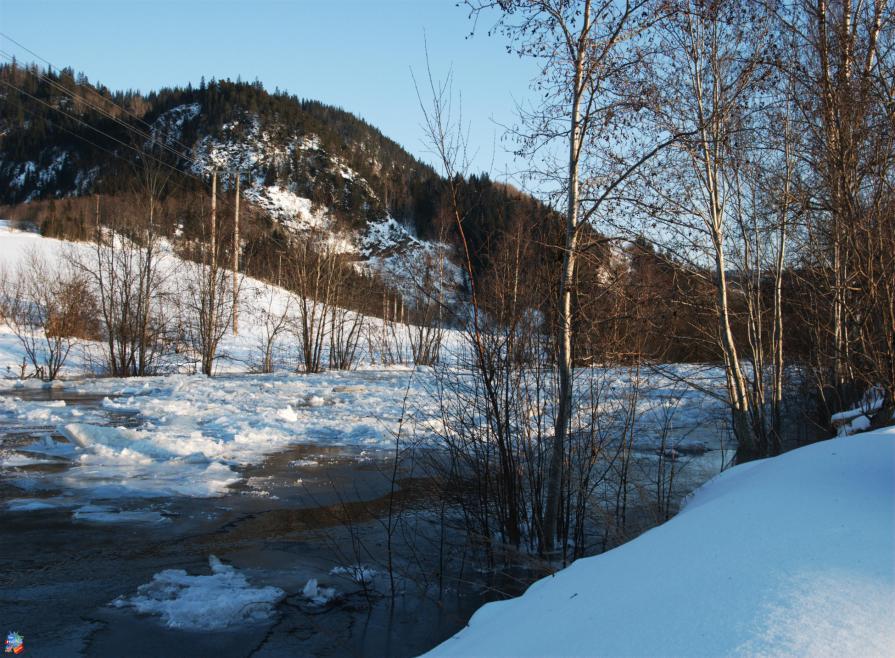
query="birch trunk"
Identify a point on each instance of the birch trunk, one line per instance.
(564, 358)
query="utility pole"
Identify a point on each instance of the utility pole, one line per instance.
(214, 226)
(213, 261)
(236, 262)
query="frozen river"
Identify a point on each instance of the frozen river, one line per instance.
(75, 560)
(236, 516)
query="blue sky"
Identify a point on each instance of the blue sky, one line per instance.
(356, 54)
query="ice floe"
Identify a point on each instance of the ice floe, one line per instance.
(223, 599)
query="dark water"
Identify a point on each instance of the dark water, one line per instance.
(292, 518)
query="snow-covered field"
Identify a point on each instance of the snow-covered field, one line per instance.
(188, 434)
(790, 556)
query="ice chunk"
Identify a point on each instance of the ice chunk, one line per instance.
(223, 599)
(359, 573)
(288, 414)
(19, 459)
(28, 505)
(106, 514)
(316, 594)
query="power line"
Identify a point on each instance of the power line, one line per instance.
(51, 67)
(138, 151)
(103, 111)
(69, 94)
(81, 137)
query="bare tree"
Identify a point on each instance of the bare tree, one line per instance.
(763, 210)
(345, 325)
(205, 310)
(47, 307)
(313, 268)
(124, 267)
(590, 53)
(273, 311)
(705, 86)
(207, 306)
(842, 82)
(387, 340)
(427, 318)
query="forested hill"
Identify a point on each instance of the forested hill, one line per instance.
(308, 169)
(61, 139)
(307, 165)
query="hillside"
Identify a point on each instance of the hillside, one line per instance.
(306, 167)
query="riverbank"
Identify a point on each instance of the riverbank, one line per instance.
(790, 555)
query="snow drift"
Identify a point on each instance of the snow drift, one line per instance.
(793, 555)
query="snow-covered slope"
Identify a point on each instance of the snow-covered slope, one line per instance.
(793, 555)
(237, 353)
(283, 168)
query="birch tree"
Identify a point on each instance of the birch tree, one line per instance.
(591, 54)
(843, 79)
(706, 86)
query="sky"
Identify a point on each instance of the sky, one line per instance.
(355, 54)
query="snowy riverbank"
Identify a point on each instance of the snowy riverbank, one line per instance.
(189, 435)
(793, 555)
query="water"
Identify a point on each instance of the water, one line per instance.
(294, 517)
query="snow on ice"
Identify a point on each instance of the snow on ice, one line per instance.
(318, 595)
(221, 600)
(359, 573)
(189, 435)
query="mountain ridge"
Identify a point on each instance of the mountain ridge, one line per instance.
(306, 168)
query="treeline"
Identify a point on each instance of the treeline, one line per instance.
(724, 172)
(632, 300)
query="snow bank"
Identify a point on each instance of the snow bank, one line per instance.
(221, 600)
(786, 556)
(857, 420)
